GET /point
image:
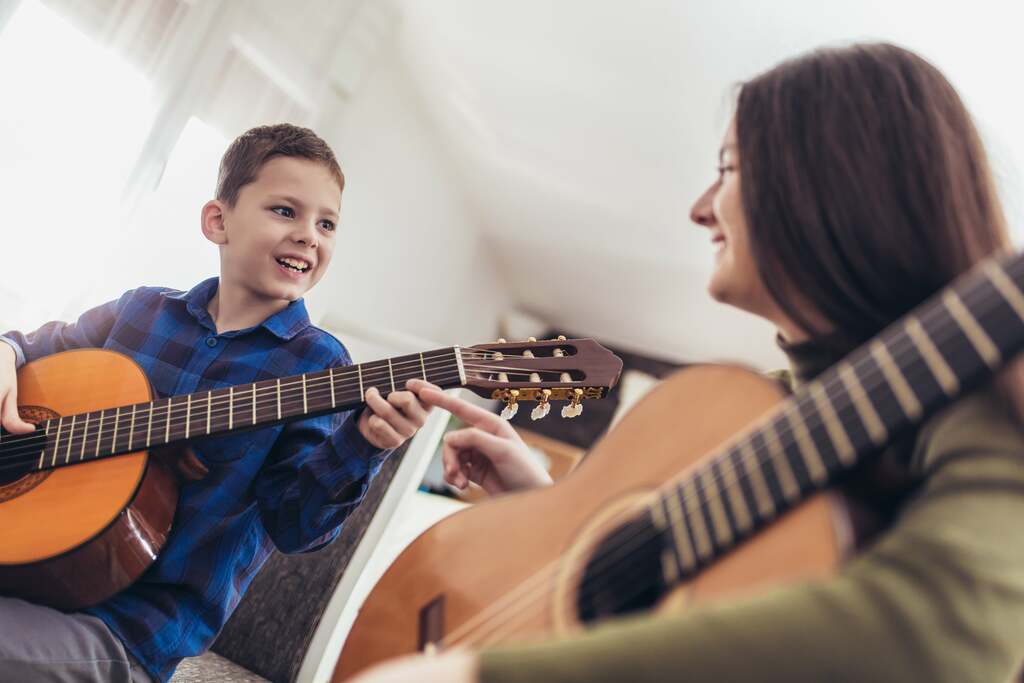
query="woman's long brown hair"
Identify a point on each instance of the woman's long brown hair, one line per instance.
(866, 188)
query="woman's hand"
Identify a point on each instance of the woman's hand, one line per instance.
(452, 667)
(488, 452)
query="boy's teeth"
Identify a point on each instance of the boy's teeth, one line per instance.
(293, 263)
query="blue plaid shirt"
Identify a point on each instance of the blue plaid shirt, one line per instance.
(289, 486)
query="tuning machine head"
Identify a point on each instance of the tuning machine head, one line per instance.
(543, 406)
(511, 404)
(575, 407)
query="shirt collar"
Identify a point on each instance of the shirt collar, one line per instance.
(284, 324)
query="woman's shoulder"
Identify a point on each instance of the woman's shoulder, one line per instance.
(980, 422)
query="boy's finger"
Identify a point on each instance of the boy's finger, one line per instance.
(386, 435)
(410, 406)
(9, 417)
(387, 412)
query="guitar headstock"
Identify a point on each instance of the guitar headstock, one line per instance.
(542, 371)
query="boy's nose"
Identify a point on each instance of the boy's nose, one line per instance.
(306, 235)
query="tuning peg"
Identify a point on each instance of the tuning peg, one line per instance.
(501, 340)
(543, 407)
(575, 408)
(531, 339)
(561, 337)
(511, 404)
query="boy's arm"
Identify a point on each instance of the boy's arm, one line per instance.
(316, 474)
(90, 331)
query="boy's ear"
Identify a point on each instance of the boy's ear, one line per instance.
(212, 220)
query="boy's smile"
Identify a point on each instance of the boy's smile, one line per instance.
(277, 240)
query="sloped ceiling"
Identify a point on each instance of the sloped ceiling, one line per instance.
(583, 130)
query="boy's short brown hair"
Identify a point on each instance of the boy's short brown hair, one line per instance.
(245, 156)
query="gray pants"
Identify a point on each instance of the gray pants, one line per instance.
(44, 645)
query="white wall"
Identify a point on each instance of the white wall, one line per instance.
(410, 257)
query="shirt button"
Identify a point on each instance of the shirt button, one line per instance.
(211, 341)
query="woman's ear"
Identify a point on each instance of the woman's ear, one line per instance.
(212, 222)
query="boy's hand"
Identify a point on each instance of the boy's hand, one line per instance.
(388, 423)
(9, 417)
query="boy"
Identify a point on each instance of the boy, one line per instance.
(274, 220)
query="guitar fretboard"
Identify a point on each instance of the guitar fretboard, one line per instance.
(71, 439)
(946, 346)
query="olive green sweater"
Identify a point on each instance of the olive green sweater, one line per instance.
(938, 597)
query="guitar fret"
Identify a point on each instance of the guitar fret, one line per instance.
(254, 402)
(936, 363)
(423, 367)
(669, 566)
(85, 437)
(99, 435)
(167, 431)
(684, 550)
(702, 541)
(67, 455)
(836, 432)
(737, 503)
(362, 394)
(392, 373)
(904, 394)
(113, 439)
(188, 414)
(805, 444)
(721, 530)
(1006, 287)
(149, 427)
(231, 408)
(131, 431)
(982, 343)
(46, 440)
(762, 497)
(278, 399)
(876, 430)
(56, 444)
(305, 402)
(783, 468)
(209, 409)
(330, 379)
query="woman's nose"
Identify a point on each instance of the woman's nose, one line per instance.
(702, 212)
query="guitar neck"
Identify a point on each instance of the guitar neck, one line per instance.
(948, 345)
(72, 439)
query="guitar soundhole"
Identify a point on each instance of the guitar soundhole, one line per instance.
(20, 484)
(624, 572)
(17, 472)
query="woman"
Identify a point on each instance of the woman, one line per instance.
(852, 184)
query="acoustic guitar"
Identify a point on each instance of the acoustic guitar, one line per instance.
(84, 508)
(711, 486)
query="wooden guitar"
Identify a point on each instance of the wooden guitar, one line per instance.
(78, 525)
(708, 487)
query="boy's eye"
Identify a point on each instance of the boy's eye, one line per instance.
(327, 225)
(285, 211)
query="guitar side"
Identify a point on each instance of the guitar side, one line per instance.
(503, 571)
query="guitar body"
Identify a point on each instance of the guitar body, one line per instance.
(75, 535)
(506, 570)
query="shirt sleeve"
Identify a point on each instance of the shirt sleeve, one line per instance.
(91, 330)
(317, 472)
(939, 597)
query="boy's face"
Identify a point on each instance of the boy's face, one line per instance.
(279, 236)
